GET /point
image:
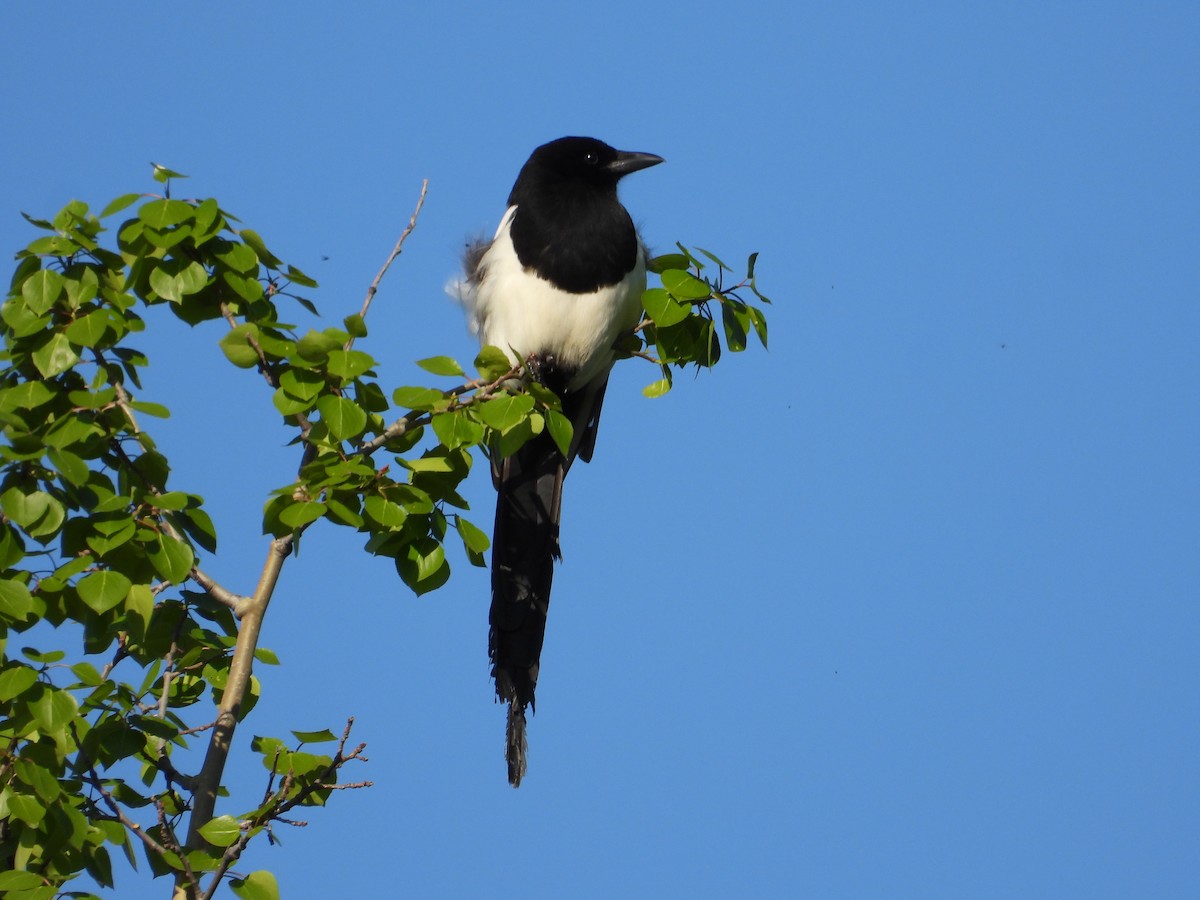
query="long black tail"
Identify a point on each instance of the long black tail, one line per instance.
(524, 548)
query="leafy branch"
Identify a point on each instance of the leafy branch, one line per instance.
(93, 532)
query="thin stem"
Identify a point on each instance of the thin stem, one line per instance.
(412, 223)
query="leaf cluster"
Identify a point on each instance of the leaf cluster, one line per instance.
(691, 312)
(95, 539)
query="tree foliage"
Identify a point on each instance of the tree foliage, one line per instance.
(120, 745)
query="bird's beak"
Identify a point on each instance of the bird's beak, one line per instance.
(630, 161)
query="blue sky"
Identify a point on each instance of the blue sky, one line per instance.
(906, 606)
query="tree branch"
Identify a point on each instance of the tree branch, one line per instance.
(208, 781)
(236, 602)
(412, 223)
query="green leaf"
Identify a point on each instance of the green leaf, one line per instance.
(26, 808)
(657, 388)
(419, 398)
(41, 289)
(103, 590)
(315, 737)
(172, 559)
(111, 533)
(18, 880)
(561, 430)
(423, 566)
(73, 469)
(168, 238)
(492, 363)
(355, 325)
(207, 221)
(199, 527)
(456, 428)
(544, 396)
(306, 303)
(236, 346)
(24, 509)
(151, 409)
(82, 284)
(15, 600)
(289, 405)
(28, 395)
(222, 831)
(122, 202)
(660, 264)
(349, 364)
(302, 384)
(342, 512)
(759, 321)
(735, 327)
(238, 257)
(89, 330)
(172, 500)
(440, 365)
(163, 214)
(53, 709)
(37, 223)
(245, 286)
(664, 309)
(51, 656)
(12, 548)
(315, 346)
(384, 512)
(514, 438)
(260, 885)
(344, 418)
(714, 259)
(175, 279)
(273, 343)
(502, 413)
(55, 356)
(40, 514)
(265, 256)
(21, 319)
(87, 674)
(685, 286)
(139, 607)
(299, 514)
(473, 537)
(16, 680)
(266, 657)
(162, 174)
(297, 277)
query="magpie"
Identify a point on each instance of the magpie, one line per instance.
(557, 285)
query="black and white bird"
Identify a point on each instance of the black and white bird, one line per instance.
(558, 284)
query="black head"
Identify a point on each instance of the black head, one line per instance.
(569, 226)
(581, 161)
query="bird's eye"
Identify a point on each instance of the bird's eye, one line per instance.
(591, 158)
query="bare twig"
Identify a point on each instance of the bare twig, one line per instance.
(412, 223)
(199, 729)
(282, 804)
(642, 354)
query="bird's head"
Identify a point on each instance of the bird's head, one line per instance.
(583, 161)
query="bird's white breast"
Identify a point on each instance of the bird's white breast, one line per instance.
(522, 313)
